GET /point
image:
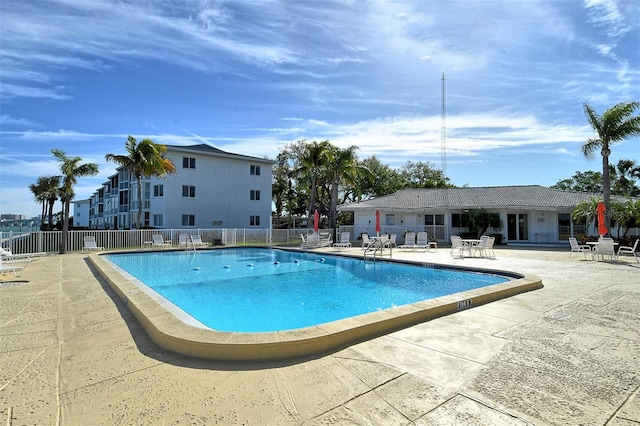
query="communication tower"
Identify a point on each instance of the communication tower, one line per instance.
(443, 131)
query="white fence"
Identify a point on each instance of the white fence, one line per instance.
(49, 241)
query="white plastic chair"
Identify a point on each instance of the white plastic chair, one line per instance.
(409, 241)
(422, 240)
(630, 250)
(457, 245)
(158, 241)
(89, 243)
(345, 240)
(196, 240)
(604, 248)
(578, 248)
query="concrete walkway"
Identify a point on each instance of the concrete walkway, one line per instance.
(568, 354)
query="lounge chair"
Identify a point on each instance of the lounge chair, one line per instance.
(159, 241)
(578, 248)
(183, 241)
(326, 241)
(89, 244)
(457, 245)
(196, 240)
(409, 241)
(422, 240)
(6, 254)
(604, 248)
(630, 250)
(344, 240)
(10, 267)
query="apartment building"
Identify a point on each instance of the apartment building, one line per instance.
(211, 189)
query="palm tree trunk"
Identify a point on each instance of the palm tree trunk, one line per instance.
(139, 224)
(606, 189)
(65, 227)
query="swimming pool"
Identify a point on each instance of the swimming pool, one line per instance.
(264, 290)
(171, 329)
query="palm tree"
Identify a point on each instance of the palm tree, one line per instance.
(143, 159)
(71, 170)
(38, 191)
(614, 125)
(46, 191)
(342, 166)
(312, 160)
(627, 169)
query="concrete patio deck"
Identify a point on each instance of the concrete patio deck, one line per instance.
(567, 354)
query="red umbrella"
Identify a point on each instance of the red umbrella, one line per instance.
(378, 222)
(316, 222)
(602, 226)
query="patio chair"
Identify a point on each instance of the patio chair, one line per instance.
(422, 240)
(409, 241)
(12, 267)
(6, 254)
(630, 250)
(196, 240)
(159, 241)
(89, 244)
(457, 245)
(578, 248)
(183, 241)
(344, 240)
(488, 249)
(480, 247)
(392, 241)
(366, 241)
(604, 248)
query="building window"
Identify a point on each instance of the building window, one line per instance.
(188, 191)
(254, 220)
(188, 220)
(255, 170)
(158, 190)
(389, 219)
(255, 195)
(188, 163)
(158, 220)
(459, 220)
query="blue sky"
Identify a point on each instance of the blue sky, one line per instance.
(250, 76)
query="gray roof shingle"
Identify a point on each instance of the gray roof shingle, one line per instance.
(526, 197)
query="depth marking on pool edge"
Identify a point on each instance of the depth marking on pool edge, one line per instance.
(464, 304)
(428, 265)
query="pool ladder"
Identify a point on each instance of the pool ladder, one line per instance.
(377, 248)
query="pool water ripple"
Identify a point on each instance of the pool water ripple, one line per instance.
(262, 290)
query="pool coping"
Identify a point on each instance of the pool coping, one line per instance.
(171, 333)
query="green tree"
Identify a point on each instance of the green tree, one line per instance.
(614, 125)
(374, 179)
(586, 211)
(143, 159)
(625, 184)
(423, 175)
(480, 220)
(588, 181)
(71, 170)
(46, 191)
(342, 166)
(312, 160)
(38, 192)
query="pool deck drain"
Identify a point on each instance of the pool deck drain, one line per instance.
(170, 332)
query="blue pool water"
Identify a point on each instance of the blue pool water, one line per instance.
(259, 290)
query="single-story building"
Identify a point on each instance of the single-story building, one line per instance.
(528, 214)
